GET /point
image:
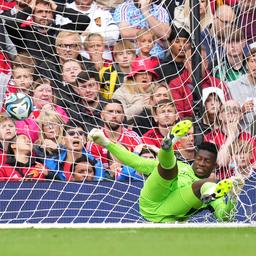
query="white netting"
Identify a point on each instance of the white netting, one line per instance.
(58, 59)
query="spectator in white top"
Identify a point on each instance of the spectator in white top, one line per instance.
(243, 90)
(101, 20)
(182, 15)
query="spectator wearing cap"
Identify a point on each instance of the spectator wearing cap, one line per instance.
(216, 3)
(212, 100)
(90, 103)
(133, 15)
(173, 64)
(182, 15)
(182, 88)
(134, 93)
(243, 90)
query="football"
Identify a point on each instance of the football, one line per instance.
(18, 106)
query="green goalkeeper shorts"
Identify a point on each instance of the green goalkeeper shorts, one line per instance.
(163, 201)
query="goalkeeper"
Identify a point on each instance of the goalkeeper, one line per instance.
(174, 190)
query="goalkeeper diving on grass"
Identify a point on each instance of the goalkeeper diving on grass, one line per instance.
(174, 191)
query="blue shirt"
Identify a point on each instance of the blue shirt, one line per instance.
(129, 13)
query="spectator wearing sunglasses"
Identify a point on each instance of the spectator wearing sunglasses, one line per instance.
(72, 148)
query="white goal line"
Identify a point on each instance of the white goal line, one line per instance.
(126, 225)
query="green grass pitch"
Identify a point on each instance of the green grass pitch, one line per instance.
(132, 242)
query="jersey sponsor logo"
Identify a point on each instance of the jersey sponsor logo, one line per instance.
(98, 21)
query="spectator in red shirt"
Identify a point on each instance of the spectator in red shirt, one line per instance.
(20, 164)
(165, 115)
(114, 129)
(182, 88)
(7, 133)
(229, 132)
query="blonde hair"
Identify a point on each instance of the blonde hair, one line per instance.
(40, 81)
(73, 60)
(90, 35)
(156, 87)
(4, 117)
(24, 59)
(53, 117)
(143, 32)
(133, 88)
(241, 146)
(123, 45)
(64, 34)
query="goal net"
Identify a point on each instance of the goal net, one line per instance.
(164, 62)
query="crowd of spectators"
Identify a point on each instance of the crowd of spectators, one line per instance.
(125, 66)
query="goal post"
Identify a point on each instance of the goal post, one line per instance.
(53, 196)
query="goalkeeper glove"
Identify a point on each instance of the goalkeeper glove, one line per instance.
(98, 136)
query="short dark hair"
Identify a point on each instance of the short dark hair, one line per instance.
(114, 101)
(146, 150)
(85, 76)
(72, 124)
(84, 159)
(208, 146)
(177, 33)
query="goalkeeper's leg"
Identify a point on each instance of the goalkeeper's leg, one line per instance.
(167, 167)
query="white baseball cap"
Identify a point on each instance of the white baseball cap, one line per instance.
(209, 90)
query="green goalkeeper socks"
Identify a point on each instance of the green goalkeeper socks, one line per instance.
(166, 158)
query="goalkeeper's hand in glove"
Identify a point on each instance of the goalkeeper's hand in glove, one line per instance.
(98, 136)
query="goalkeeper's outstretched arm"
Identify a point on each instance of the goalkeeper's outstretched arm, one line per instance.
(140, 164)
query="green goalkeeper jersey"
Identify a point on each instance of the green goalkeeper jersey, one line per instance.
(168, 200)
